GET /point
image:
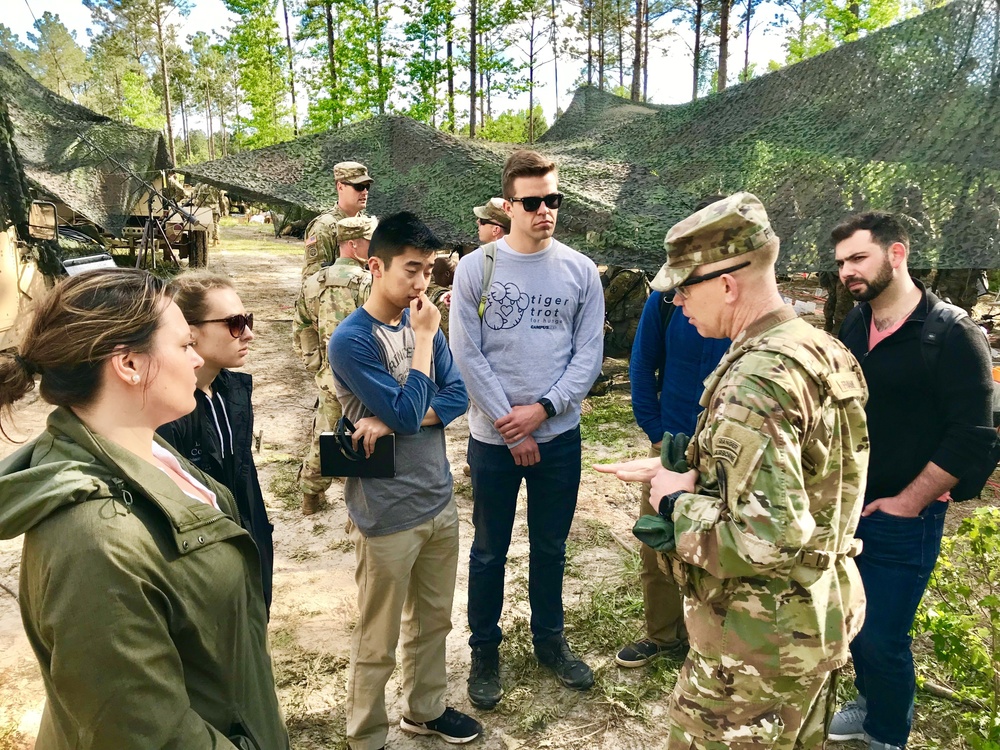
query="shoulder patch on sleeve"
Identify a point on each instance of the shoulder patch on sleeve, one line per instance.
(740, 413)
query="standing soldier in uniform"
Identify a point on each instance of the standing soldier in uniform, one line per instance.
(328, 296)
(353, 186)
(207, 196)
(763, 523)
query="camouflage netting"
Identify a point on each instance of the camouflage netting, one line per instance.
(47, 133)
(907, 119)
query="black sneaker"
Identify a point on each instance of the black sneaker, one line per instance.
(485, 690)
(641, 653)
(555, 654)
(451, 726)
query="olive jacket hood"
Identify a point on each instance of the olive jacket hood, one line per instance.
(143, 605)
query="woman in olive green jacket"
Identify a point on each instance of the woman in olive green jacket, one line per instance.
(140, 592)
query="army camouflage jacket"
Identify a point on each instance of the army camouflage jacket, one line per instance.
(321, 240)
(764, 545)
(327, 297)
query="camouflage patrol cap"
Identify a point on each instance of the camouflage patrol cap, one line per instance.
(356, 228)
(351, 172)
(725, 229)
(493, 211)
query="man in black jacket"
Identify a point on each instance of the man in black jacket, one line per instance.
(927, 430)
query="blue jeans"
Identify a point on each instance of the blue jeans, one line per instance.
(895, 565)
(553, 484)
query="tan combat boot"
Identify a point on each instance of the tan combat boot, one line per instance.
(312, 503)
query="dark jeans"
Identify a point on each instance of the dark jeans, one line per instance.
(895, 565)
(553, 484)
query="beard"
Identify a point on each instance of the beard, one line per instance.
(873, 288)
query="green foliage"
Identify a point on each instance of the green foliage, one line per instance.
(256, 42)
(57, 61)
(961, 615)
(512, 127)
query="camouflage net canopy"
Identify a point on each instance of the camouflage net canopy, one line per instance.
(906, 119)
(75, 155)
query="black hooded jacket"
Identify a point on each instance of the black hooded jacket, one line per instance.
(916, 416)
(229, 461)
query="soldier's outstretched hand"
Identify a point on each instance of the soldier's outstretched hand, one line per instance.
(636, 470)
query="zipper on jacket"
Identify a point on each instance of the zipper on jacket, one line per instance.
(119, 485)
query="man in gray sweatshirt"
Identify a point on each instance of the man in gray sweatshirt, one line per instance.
(528, 356)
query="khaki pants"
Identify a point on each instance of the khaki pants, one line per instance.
(726, 708)
(404, 579)
(661, 599)
(328, 411)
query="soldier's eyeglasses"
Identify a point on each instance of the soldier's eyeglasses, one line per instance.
(532, 203)
(488, 223)
(238, 324)
(361, 188)
(692, 280)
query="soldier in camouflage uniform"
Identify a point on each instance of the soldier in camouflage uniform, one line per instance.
(762, 525)
(353, 185)
(328, 296)
(207, 196)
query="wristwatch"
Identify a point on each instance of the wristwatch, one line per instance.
(667, 503)
(550, 410)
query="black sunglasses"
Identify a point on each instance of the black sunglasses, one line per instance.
(488, 223)
(692, 280)
(362, 187)
(532, 203)
(237, 323)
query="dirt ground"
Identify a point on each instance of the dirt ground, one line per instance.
(314, 593)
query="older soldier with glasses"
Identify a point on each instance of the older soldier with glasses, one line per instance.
(758, 515)
(353, 188)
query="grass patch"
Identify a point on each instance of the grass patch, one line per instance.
(253, 238)
(341, 545)
(299, 676)
(285, 486)
(319, 528)
(302, 555)
(606, 420)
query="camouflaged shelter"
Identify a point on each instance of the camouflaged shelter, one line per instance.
(75, 155)
(906, 119)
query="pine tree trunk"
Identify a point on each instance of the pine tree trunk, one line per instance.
(291, 68)
(637, 57)
(620, 24)
(645, 51)
(590, 42)
(449, 52)
(160, 47)
(378, 60)
(746, 46)
(699, 7)
(472, 68)
(184, 130)
(600, 47)
(725, 6)
(208, 120)
(555, 55)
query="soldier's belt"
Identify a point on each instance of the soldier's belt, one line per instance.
(825, 560)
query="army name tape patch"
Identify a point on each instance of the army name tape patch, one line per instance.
(726, 449)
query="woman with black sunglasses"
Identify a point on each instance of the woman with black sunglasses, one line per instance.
(216, 437)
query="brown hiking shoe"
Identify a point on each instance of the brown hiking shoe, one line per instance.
(311, 503)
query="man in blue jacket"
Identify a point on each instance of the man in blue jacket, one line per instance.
(669, 363)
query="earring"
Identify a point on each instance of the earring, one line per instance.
(135, 379)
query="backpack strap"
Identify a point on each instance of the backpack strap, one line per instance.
(938, 324)
(489, 266)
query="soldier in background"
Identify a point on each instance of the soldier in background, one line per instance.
(328, 296)
(439, 290)
(973, 235)
(353, 186)
(762, 525)
(208, 196)
(493, 221)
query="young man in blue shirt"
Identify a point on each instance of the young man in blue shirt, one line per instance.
(394, 374)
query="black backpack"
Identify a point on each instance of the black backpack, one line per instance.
(940, 320)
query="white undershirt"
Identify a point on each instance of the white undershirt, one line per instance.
(165, 456)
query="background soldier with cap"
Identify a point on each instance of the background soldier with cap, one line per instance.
(328, 296)
(763, 522)
(494, 222)
(353, 185)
